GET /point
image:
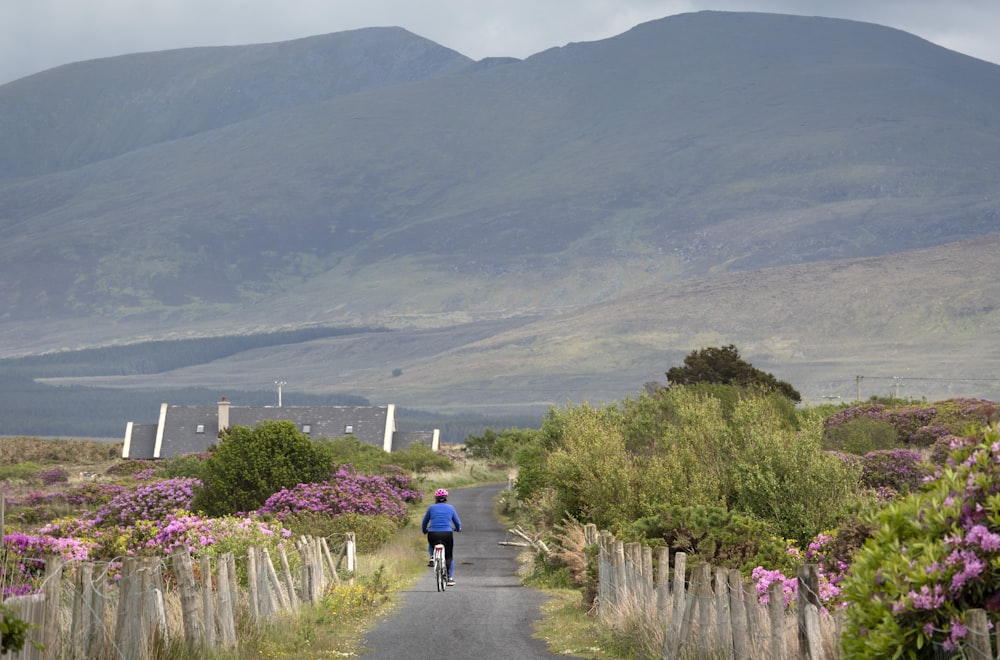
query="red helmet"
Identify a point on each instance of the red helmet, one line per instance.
(441, 492)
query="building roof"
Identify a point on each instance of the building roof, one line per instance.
(193, 429)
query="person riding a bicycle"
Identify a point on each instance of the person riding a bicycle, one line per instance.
(438, 523)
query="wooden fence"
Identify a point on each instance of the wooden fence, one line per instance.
(714, 612)
(81, 613)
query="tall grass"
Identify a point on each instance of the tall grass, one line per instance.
(335, 626)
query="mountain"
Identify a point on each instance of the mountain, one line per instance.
(713, 170)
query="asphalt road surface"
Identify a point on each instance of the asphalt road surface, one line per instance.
(486, 615)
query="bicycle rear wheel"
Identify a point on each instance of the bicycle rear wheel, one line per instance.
(441, 575)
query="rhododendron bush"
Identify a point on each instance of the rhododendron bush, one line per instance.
(153, 518)
(921, 425)
(935, 556)
(346, 492)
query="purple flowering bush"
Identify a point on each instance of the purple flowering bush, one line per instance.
(54, 476)
(217, 536)
(35, 507)
(22, 560)
(934, 556)
(91, 495)
(943, 448)
(818, 552)
(148, 501)
(916, 425)
(128, 520)
(902, 470)
(345, 492)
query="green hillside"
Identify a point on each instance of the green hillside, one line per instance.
(819, 192)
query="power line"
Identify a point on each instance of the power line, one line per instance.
(936, 379)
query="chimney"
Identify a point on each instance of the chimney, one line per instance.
(223, 414)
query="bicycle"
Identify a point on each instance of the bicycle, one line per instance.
(440, 568)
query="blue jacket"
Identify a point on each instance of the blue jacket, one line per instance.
(440, 517)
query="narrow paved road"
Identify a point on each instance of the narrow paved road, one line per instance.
(486, 615)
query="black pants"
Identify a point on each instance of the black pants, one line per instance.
(447, 539)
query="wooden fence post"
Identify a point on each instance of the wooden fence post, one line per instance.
(604, 571)
(703, 595)
(286, 574)
(252, 583)
(124, 636)
(814, 636)
(272, 575)
(808, 588)
(227, 624)
(672, 641)
(737, 609)
(268, 605)
(80, 620)
(234, 585)
(208, 600)
(621, 576)
(151, 614)
(352, 555)
(648, 590)
(754, 631)
(633, 573)
(305, 571)
(723, 617)
(663, 584)
(97, 636)
(776, 612)
(329, 560)
(978, 639)
(190, 609)
(51, 588)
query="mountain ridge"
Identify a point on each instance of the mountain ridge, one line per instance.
(427, 192)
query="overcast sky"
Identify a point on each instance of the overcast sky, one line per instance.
(40, 34)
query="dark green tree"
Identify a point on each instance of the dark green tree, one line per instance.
(250, 465)
(725, 366)
(501, 446)
(481, 446)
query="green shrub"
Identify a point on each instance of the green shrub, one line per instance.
(784, 476)
(860, 436)
(901, 470)
(128, 468)
(714, 535)
(187, 465)
(365, 458)
(481, 446)
(709, 445)
(420, 458)
(250, 465)
(13, 631)
(370, 532)
(503, 446)
(26, 471)
(531, 472)
(934, 556)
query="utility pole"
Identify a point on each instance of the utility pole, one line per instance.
(279, 383)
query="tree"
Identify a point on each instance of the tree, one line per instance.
(725, 366)
(250, 465)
